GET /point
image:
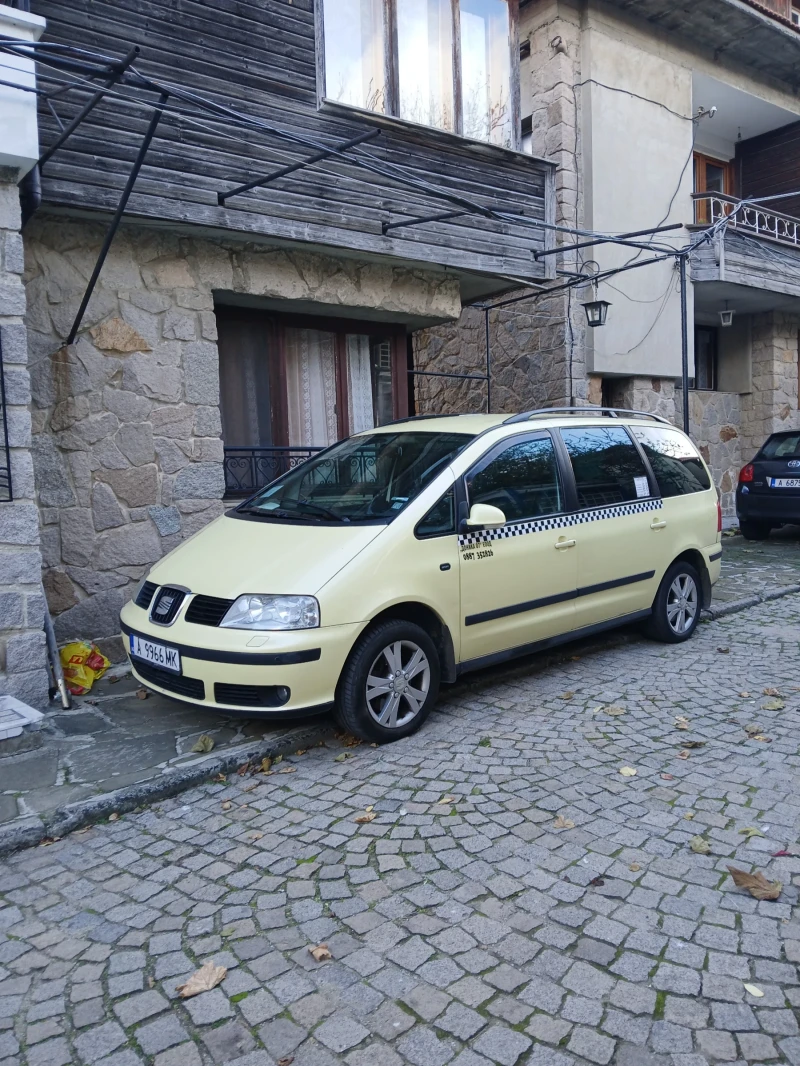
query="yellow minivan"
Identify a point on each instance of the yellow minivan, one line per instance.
(407, 555)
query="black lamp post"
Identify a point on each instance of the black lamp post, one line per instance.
(596, 312)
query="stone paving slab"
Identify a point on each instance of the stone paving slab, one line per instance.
(114, 751)
(515, 901)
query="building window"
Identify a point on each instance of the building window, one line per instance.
(712, 176)
(705, 358)
(441, 63)
(796, 16)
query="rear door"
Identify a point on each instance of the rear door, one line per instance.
(518, 582)
(617, 516)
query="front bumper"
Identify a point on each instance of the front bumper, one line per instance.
(306, 662)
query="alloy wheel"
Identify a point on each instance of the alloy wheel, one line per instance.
(682, 604)
(397, 684)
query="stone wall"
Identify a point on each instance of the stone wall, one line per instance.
(23, 657)
(773, 403)
(127, 437)
(715, 420)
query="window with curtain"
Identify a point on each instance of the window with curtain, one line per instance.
(440, 63)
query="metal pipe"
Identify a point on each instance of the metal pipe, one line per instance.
(386, 226)
(223, 196)
(622, 238)
(90, 104)
(115, 221)
(441, 374)
(684, 345)
(5, 441)
(488, 363)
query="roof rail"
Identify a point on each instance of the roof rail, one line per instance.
(609, 412)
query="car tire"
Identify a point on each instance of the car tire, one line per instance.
(676, 608)
(752, 530)
(405, 658)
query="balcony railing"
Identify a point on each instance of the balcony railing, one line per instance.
(751, 219)
(249, 469)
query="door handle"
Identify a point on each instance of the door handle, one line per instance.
(561, 544)
(658, 524)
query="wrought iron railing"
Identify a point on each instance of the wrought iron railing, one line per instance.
(6, 488)
(751, 219)
(249, 469)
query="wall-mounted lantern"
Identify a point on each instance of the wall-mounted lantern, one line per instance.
(596, 312)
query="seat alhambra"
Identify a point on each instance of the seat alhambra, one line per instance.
(407, 555)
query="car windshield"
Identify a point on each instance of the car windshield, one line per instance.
(784, 446)
(368, 477)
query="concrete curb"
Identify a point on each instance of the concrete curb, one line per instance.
(28, 832)
(713, 612)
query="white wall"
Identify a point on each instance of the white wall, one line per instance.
(19, 135)
(637, 171)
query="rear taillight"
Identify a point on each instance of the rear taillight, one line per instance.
(719, 517)
(747, 473)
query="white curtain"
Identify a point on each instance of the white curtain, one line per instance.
(311, 387)
(359, 383)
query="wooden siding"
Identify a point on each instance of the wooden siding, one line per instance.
(751, 261)
(258, 56)
(770, 165)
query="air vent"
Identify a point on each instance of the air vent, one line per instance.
(146, 593)
(181, 686)
(166, 605)
(207, 610)
(251, 695)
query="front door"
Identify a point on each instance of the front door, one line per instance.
(518, 582)
(619, 512)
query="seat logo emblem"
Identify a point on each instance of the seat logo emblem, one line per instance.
(164, 604)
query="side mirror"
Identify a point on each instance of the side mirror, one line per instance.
(484, 516)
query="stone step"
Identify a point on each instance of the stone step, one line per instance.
(16, 717)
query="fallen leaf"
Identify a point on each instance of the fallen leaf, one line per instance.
(598, 882)
(566, 695)
(700, 845)
(321, 953)
(301, 751)
(113, 817)
(142, 694)
(627, 771)
(745, 695)
(287, 1060)
(754, 990)
(226, 806)
(151, 981)
(266, 765)
(724, 651)
(203, 980)
(773, 705)
(689, 815)
(614, 710)
(750, 832)
(368, 816)
(447, 799)
(683, 754)
(343, 756)
(243, 769)
(277, 759)
(634, 867)
(681, 722)
(203, 744)
(667, 777)
(249, 788)
(370, 808)
(220, 779)
(780, 854)
(694, 743)
(255, 836)
(772, 692)
(756, 884)
(288, 770)
(563, 823)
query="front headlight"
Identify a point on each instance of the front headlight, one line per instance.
(272, 612)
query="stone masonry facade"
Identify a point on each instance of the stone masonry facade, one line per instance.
(127, 443)
(23, 661)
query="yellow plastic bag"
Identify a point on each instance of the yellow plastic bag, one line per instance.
(83, 664)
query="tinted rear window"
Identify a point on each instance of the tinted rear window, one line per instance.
(675, 461)
(785, 446)
(608, 469)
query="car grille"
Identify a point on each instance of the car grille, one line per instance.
(251, 695)
(166, 605)
(207, 610)
(181, 686)
(146, 593)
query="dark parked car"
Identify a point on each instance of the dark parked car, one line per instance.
(768, 493)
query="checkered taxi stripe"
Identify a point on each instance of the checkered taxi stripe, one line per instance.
(577, 518)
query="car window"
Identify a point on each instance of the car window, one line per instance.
(608, 468)
(786, 446)
(441, 519)
(675, 461)
(522, 481)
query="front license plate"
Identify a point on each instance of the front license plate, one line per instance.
(785, 482)
(157, 654)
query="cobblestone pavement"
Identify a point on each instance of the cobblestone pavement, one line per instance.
(753, 568)
(466, 927)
